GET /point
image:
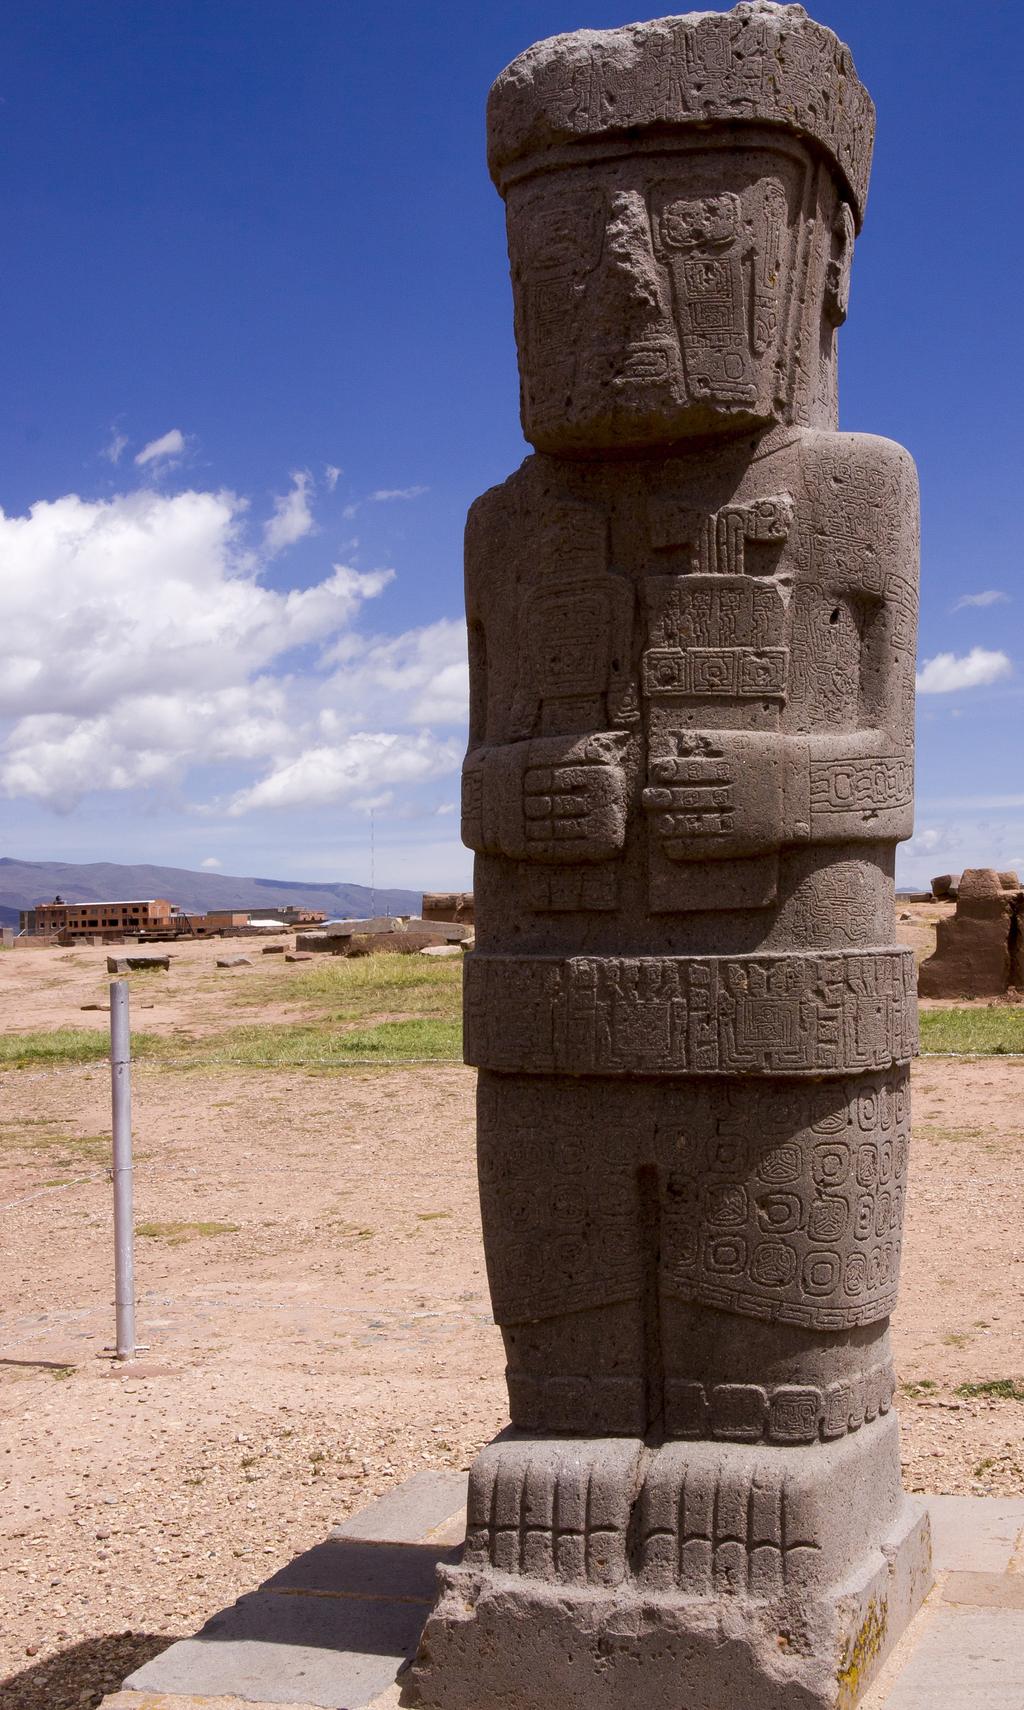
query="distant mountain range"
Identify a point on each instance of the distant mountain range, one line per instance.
(23, 884)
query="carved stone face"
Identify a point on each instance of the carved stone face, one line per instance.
(663, 296)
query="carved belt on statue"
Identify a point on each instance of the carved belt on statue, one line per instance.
(808, 1013)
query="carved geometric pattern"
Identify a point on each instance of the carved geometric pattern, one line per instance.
(795, 1221)
(702, 671)
(777, 1413)
(861, 785)
(784, 1014)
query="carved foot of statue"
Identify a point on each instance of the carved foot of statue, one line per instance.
(601, 1574)
(554, 1509)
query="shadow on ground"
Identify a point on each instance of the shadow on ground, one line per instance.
(76, 1679)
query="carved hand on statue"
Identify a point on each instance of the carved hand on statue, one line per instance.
(574, 809)
(555, 799)
(473, 801)
(723, 795)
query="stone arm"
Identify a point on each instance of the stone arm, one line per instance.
(554, 799)
(859, 784)
(739, 793)
(558, 799)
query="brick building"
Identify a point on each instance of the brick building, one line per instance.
(74, 921)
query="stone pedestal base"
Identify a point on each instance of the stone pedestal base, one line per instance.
(603, 1575)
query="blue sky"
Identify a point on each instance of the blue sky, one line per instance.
(257, 359)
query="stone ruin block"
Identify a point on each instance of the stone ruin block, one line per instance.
(691, 621)
(978, 950)
(945, 886)
(449, 905)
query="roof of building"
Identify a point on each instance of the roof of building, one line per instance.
(108, 902)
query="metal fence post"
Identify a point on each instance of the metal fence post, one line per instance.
(124, 1230)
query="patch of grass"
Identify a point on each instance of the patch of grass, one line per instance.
(431, 1216)
(924, 1132)
(956, 1339)
(372, 985)
(58, 1045)
(919, 1386)
(995, 1389)
(322, 1045)
(989, 1032)
(174, 1233)
(61, 1372)
(432, 1032)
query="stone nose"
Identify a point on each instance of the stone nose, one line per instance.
(628, 259)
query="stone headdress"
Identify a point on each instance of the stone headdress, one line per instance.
(760, 63)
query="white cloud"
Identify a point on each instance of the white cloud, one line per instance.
(383, 494)
(143, 650)
(946, 673)
(323, 775)
(926, 841)
(112, 451)
(989, 597)
(424, 672)
(948, 846)
(210, 863)
(292, 516)
(159, 450)
(332, 474)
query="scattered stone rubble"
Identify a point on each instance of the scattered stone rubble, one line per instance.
(402, 935)
(137, 964)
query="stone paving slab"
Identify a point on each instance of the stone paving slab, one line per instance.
(409, 1512)
(985, 1590)
(968, 1659)
(979, 1534)
(335, 1626)
(127, 1700)
(174, 1701)
(365, 1569)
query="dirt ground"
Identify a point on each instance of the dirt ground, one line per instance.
(315, 1308)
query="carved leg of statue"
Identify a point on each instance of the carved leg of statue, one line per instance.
(562, 1210)
(581, 1372)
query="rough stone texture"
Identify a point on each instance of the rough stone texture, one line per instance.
(978, 951)
(691, 622)
(449, 905)
(945, 887)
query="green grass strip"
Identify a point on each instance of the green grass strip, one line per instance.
(981, 1032)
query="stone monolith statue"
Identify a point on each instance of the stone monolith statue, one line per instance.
(691, 621)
